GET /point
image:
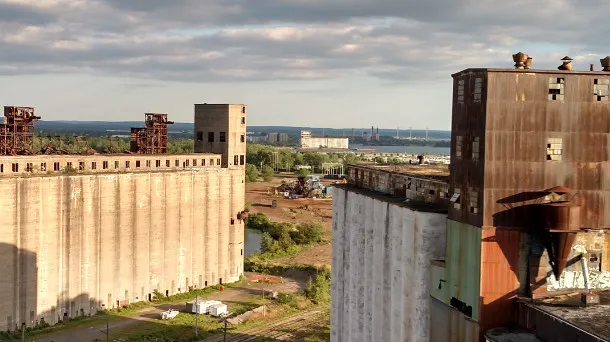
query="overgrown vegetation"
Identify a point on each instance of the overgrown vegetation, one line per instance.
(284, 239)
(318, 288)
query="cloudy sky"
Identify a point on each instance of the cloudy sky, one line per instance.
(320, 63)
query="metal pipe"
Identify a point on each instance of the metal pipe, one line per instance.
(585, 272)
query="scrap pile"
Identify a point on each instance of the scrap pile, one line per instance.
(303, 187)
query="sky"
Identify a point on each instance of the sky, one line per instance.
(316, 63)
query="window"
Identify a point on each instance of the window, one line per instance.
(242, 138)
(199, 136)
(243, 120)
(211, 162)
(218, 161)
(69, 165)
(232, 221)
(186, 162)
(459, 141)
(243, 109)
(460, 91)
(81, 166)
(242, 160)
(478, 86)
(43, 167)
(55, 166)
(556, 88)
(177, 163)
(554, 149)
(105, 165)
(475, 148)
(167, 163)
(474, 200)
(223, 137)
(600, 90)
(455, 199)
(93, 165)
(235, 160)
(202, 162)
(137, 163)
(127, 164)
(158, 163)
(194, 162)
(116, 164)
(148, 163)
(15, 167)
(210, 136)
(29, 167)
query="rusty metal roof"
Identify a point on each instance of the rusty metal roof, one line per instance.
(532, 71)
(434, 171)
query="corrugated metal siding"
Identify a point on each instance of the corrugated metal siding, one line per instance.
(447, 324)
(519, 121)
(500, 249)
(438, 276)
(464, 264)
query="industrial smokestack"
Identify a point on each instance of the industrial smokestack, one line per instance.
(591, 67)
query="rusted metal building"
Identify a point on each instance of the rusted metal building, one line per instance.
(17, 132)
(529, 181)
(152, 139)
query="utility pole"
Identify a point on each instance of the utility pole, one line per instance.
(196, 313)
(107, 334)
(23, 332)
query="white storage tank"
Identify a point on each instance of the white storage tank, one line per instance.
(218, 309)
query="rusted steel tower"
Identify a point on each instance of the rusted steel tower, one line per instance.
(17, 132)
(152, 139)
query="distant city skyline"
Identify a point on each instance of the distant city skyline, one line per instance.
(300, 63)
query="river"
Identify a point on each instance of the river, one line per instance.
(253, 241)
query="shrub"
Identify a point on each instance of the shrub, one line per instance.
(307, 233)
(267, 173)
(258, 221)
(251, 173)
(318, 289)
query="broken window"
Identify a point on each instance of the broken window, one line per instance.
(105, 165)
(242, 138)
(554, 149)
(243, 110)
(29, 167)
(93, 165)
(167, 163)
(478, 89)
(127, 164)
(116, 164)
(600, 90)
(243, 120)
(43, 167)
(210, 136)
(137, 163)
(223, 137)
(69, 165)
(460, 91)
(242, 160)
(473, 194)
(56, 166)
(235, 160)
(81, 166)
(455, 199)
(475, 148)
(556, 88)
(199, 136)
(459, 140)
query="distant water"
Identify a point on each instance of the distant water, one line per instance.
(253, 241)
(406, 149)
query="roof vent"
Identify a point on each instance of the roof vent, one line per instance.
(522, 60)
(567, 63)
(606, 63)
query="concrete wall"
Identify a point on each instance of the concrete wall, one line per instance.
(72, 243)
(227, 119)
(381, 268)
(342, 143)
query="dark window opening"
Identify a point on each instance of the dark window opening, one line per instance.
(69, 165)
(241, 251)
(148, 163)
(81, 166)
(206, 284)
(218, 161)
(137, 163)
(127, 164)
(211, 137)
(211, 162)
(116, 164)
(199, 136)
(167, 163)
(242, 160)
(220, 281)
(243, 120)
(56, 166)
(158, 163)
(243, 110)
(29, 167)
(431, 192)
(105, 165)
(223, 137)
(166, 293)
(236, 160)
(177, 163)
(186, 162)
(43, 167)
(202, 162)
(242, 138)
(93, 165)
(194, 162)
(232, 221)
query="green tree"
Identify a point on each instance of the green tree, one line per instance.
(307, 233)
(258, 221)
(251, 173)
(318, 289)
(267, 173)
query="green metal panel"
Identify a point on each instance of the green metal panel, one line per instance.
(438, 278)
(464, 264)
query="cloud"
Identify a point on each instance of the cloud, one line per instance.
(244, 40)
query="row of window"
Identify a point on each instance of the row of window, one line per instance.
(556, 89)
(554, 148)
(473, 200)
(222, 137)
(239, 160)
(106, 165)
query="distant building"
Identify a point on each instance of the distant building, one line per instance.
(277, 138)
(308, 141)
(257, 138)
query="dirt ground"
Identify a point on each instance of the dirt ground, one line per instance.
(260, 196)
